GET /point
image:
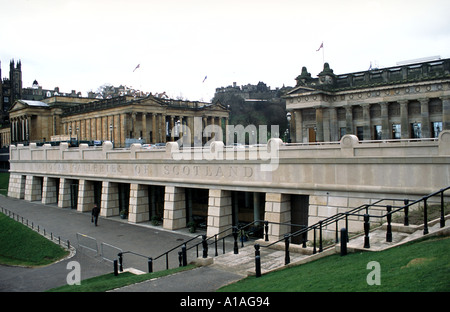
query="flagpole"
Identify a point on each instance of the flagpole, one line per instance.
(323, 54)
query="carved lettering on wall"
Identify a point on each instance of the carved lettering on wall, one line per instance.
(217, 171)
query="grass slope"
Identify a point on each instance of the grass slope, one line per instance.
(20, 245)
(422, 266)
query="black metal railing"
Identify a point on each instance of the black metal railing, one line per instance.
(390, 210)
(65, 243)
(229, 238)
(237, 233)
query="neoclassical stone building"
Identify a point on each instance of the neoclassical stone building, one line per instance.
(151, 119)
(402, 102)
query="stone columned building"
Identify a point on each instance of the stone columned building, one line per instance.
(402, 102)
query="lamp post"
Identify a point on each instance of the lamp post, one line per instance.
(288, 117)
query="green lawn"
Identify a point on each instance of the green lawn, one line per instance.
(20, 245)
(422, 266)
(110, 281)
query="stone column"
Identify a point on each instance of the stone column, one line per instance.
(219, 212)
(298, 126)
(133, 125)
(154, 133)
(171, 128)
(445, 113)
(319, 124)
(33, 188)
(367, 135)
(174, 208)
(348, 119)
(16, 187)
(334, 129)
(110, 199)
(138, 211)
(144, 128)
(425, 116)
(123, 129)
(385, 129)
(64, 193)
(278, 210)
(85, 196)
(163, 129)
(49, 194)
(404, 119)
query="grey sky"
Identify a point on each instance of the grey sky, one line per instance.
(80, 45)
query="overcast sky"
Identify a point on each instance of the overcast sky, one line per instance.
(81, 45)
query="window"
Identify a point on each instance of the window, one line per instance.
(396, 131)
(360, 133)
(436, 128)
(342, 131)
(416, 130)
(378, 132)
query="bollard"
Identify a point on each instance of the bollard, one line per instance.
(184, 255)
(389, 227)
(180, 258)
(120, 262)
(366, 231)
(287, 258)
(257, 261)
(205, 246)
(343, 241)
(150, 265)
(116, 270)
(406, 211)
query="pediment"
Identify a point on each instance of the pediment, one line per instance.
(300, 90)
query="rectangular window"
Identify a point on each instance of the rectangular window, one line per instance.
(436, 128)
(342, 132)
(396, 131)
(378, 131)
(360, 133)
(416, 130)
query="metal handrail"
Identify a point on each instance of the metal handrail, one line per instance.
(356, 212)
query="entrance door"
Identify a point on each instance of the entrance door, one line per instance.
(299, 215)
(73, 195)
(311, 135)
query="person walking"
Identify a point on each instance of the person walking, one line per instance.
(95, 213)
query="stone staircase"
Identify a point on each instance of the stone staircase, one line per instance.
(273, 258)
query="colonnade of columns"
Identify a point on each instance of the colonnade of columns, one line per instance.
(383, 120)
(150, 127)
(50, 190)
(20, 128)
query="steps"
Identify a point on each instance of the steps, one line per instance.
(272, 259)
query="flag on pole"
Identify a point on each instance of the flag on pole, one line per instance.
(321, 46)
(138, 65)
(204, 79)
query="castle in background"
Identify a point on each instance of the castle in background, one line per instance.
(259, 91)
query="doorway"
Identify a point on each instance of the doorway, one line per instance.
(299, 215)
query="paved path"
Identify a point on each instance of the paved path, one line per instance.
(143, 239)
(146, 240)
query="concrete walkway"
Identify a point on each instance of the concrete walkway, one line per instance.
(152, 241)
(144, 239)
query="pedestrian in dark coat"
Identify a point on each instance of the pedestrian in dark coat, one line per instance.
(95, 213)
